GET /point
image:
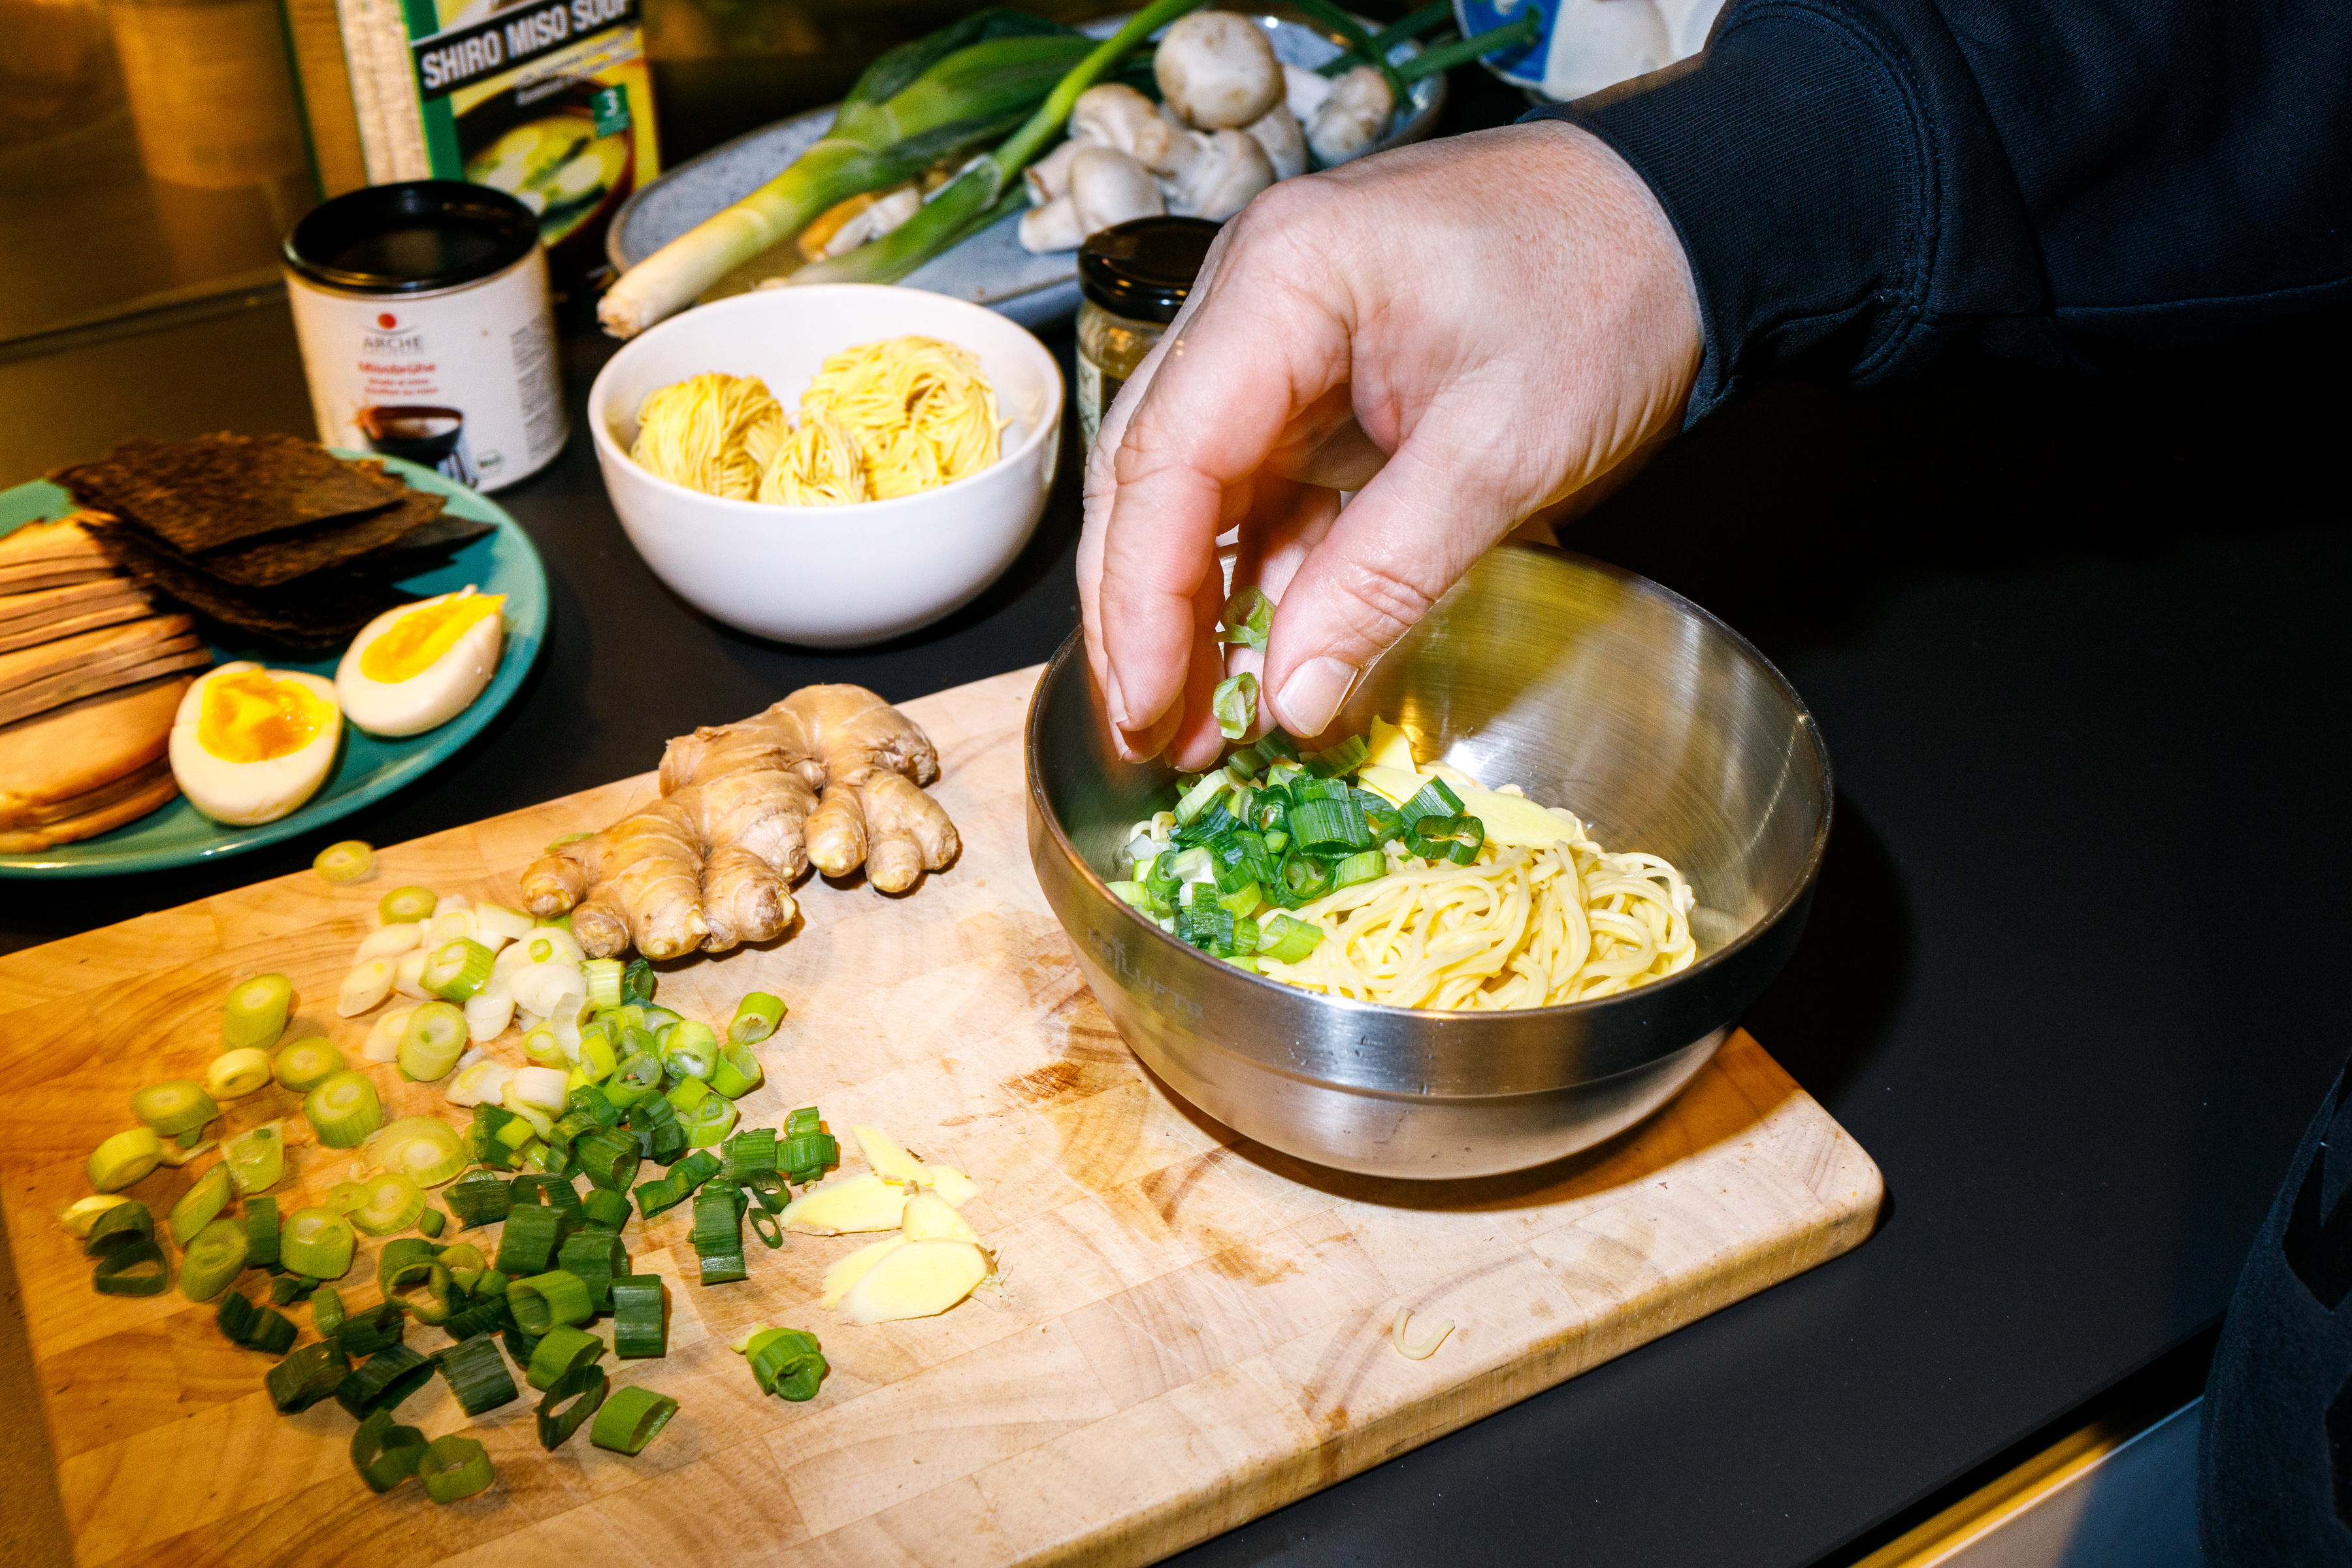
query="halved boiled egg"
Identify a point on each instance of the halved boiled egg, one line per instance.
(250, 744)
(420, 664)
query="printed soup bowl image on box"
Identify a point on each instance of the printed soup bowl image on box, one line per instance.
(832, 465)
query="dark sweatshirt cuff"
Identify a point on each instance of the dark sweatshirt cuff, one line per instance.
(1823, 168)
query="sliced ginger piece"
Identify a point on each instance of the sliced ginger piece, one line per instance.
(919, 1279)
(889, 1159)
(930, 1218)
(951, 1183)
(828, 777)
(846, 1205)
(852, 1269)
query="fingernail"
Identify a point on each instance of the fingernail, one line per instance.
(1114, 699)
(1312, 695)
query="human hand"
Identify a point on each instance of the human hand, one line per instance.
(1464, 332)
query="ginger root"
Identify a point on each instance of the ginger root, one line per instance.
(827, 777)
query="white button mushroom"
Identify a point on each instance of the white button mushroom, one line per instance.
(1303, 91)
(1353, 118)
(1049, 176)
(1054, 226)
(1279, 131)
(1231, 170)
(1116, 115)
(1109, 188)
(1217, 70)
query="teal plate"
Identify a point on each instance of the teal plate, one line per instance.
(369, 769)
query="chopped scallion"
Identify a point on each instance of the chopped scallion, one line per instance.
(640, 1320)
(1234, 703)
(327, 1310)
(405, 906)
(256, 1158)
(631, 1418)
(787, 1362)
(527, 1246)
(544, 1301)
(344, 863)
(718, 1235)
(562, 1350)
(611, 1159)
(756, 1017)
(481, 1198)
(125, 1223)
(383, 1454)
(124, 1270)
(174, 1107)
(572, 1400)
(595, 1256)
(255, 1013)
(344, 1109)
(424, 1148)
(476, 1374)
(261, 1231)
(263, 1329)
(309, 1376)
(233, 1075)
(213, 1257)
(606, 1210)
(389, 1203)
(200, 1205)
(304, 1064)
(317, 1242)
(382, 1380)
(373, 1330)
(432, 1041)
(603, 977)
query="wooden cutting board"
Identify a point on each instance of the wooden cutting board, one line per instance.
(1191, 1329)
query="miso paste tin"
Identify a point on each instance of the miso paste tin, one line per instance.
(427, 331)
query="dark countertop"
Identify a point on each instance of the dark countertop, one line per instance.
(2068, 978)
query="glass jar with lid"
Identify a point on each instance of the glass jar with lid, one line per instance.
(1133, 278)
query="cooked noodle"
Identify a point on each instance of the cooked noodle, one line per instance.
(879, 420)
(1517, 928)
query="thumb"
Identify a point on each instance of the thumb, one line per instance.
(1408, 536)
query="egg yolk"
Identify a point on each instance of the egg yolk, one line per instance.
(251, 718)
(411, 643)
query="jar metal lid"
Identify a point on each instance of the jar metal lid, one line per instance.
(1142, 269)
(412, 237)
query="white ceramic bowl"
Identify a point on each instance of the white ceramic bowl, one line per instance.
(830, 576)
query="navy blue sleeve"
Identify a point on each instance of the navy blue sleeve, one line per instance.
(1864, 185)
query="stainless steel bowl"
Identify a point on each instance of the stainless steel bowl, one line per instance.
(1590, 688)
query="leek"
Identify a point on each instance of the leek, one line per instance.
(562, 1351)
(124, 1159)
(256, 1158)
(125, 1222)
(200, 1205)
(389, 1203)
(406, 906)
(631, 1419)
(344, 1110)
(373, 1331)
(213, 1257)
(429, 1046)
(640, 1321)
(480, 1199)
(585, 1388)
(122, 1271)
(385, 1454)
(607, 1210)
(545, 1301)
(327, 1310)
(476, 1374)
(595, 1257)
(309, 1376)
(738, 1071)
(263, 1329)
(933, 99)
(989, 186)
(527, 1245)
(718, 1235)
(424, 1148)
(786, 1363)
(457, 969)
(236, 1074)
(255, 1013)
(261, 1231)
(174, 1107)
(349, 861)
(317, 1242)
(756, 1017)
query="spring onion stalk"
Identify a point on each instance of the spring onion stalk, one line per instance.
(263, 1329)
(787, 1362)
(457, 969)
(478, 1081)
(1445, 57)
(1454, 838)
(213, 1256)
(527, 1246)
(261, 1231)
(117, 1226)
(484, 1315)
(655, 1121)
(640, 1316)
(1234, 703)
(611, 1159)
(603, 977)
(635, 1077)
(424, 1148)
(79, 1216)
(481, 1199)
(542, 1046)
(749, 1153)
(757, 1017)
(476, 1374)
(327, 1310)
(933, 99)
(344, 1110)
(684, 1179)
(369, 983)
(124, 1159)
(637, 981)
(690, 1050)
(632, 1417)
(430, 1045)
(255, 1013)
(738, 1071)
(345, 863)
(542, 1088)
(806, 1156)
(124, 1270)
(544, 1301)
(382, 1380)
(371, 1330)
(572, 1400)
(309, 1376)
(466, 1263)
(709, 1124)
(595, 1256)
(382, 1044)
(384, 1454)
(606, 1210)
(174, 1107)
(563, 1350)
(406, 906)
(256, 1158)
(200, 1205)
(236, 1074)
(687, 1094)
(555, 1192)
(718, 1235)
(317, 1242)
(389, 1203)
(455, 1467)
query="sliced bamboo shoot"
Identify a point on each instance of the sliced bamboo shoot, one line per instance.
(919, 1279)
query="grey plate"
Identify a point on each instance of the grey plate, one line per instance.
(990, 268)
